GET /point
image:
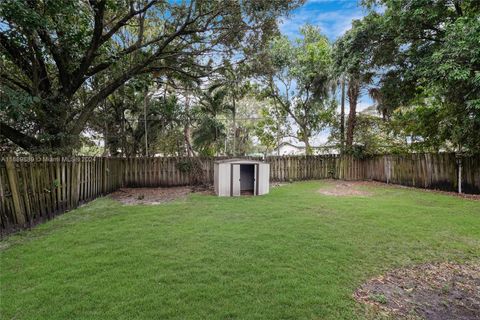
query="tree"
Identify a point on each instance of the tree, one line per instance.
(297, 78)
(51, 51)
(210, 132)
(372, 135)
(272, 128)
(248, 111)
(234, 79)
(427, 57)
(121, 120)
(351, 61)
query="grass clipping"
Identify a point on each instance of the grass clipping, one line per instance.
(430, 291)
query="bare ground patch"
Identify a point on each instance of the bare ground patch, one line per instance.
(344, 188)
(352, 188)
(430, 291)
(132, 196)
(277, 184)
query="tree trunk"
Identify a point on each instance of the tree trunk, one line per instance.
(107, 144)
(308, 148)
(278, 141)
(342, 117)
(145, 122)
(353, 93)
(123, 132)
(306, 141)
(234, 151)
(187, 134)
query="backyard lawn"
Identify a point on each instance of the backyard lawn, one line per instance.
(292, 254)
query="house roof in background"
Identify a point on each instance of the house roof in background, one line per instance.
(284, 143)
(237, 160)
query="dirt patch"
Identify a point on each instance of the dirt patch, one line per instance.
(151, 195)
(277, 184)
(349, 188)
(344, 188)
(429, 291)
(450, 193)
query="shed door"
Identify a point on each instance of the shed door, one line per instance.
(263, 178)
(255, 180)
(235, 181)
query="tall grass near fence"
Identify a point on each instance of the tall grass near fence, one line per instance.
(37, 189)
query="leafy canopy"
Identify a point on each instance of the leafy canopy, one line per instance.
(297, 75)
(427, 53)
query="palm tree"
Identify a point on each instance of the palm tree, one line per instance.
(377, 98)
(210, 131)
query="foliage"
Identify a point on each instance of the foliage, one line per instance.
(209, 136)
(372, 136)
(247, 118)
(273, 125)
(426, 52)
(210, 133)
(236, 81)
(297, 78)
(185, 166)
(121, 120)
(431, 125)
(351, 52)
(61, 59)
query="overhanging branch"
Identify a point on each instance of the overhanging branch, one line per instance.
(19, 138)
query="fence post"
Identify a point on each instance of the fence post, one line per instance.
(459, 163)
(105, 166)
(12, 179)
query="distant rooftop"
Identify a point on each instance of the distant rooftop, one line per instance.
(238, 160)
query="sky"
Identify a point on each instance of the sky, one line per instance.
(334, 17)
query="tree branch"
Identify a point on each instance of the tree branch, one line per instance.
(95, 43)
(122, 22)
(17, 83)
(458, 8)
(16, 54)
(59, 59)
(19, 138)
(98, 39)
(39, 61)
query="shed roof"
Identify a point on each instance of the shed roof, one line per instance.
(237, 160)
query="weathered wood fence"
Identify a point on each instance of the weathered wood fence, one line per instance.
(426, 170)
(36, 189)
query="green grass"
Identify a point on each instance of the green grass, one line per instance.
(292, 254)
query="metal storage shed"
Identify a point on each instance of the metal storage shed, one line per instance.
(235, 177)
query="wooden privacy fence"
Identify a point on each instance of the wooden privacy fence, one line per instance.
(36, 189)
(156, 171)
(425, 170)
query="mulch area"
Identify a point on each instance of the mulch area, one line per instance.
(429, 291)
(133, 196)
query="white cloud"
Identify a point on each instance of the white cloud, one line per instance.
(363, 105)
(333, 23)
(321, 138)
